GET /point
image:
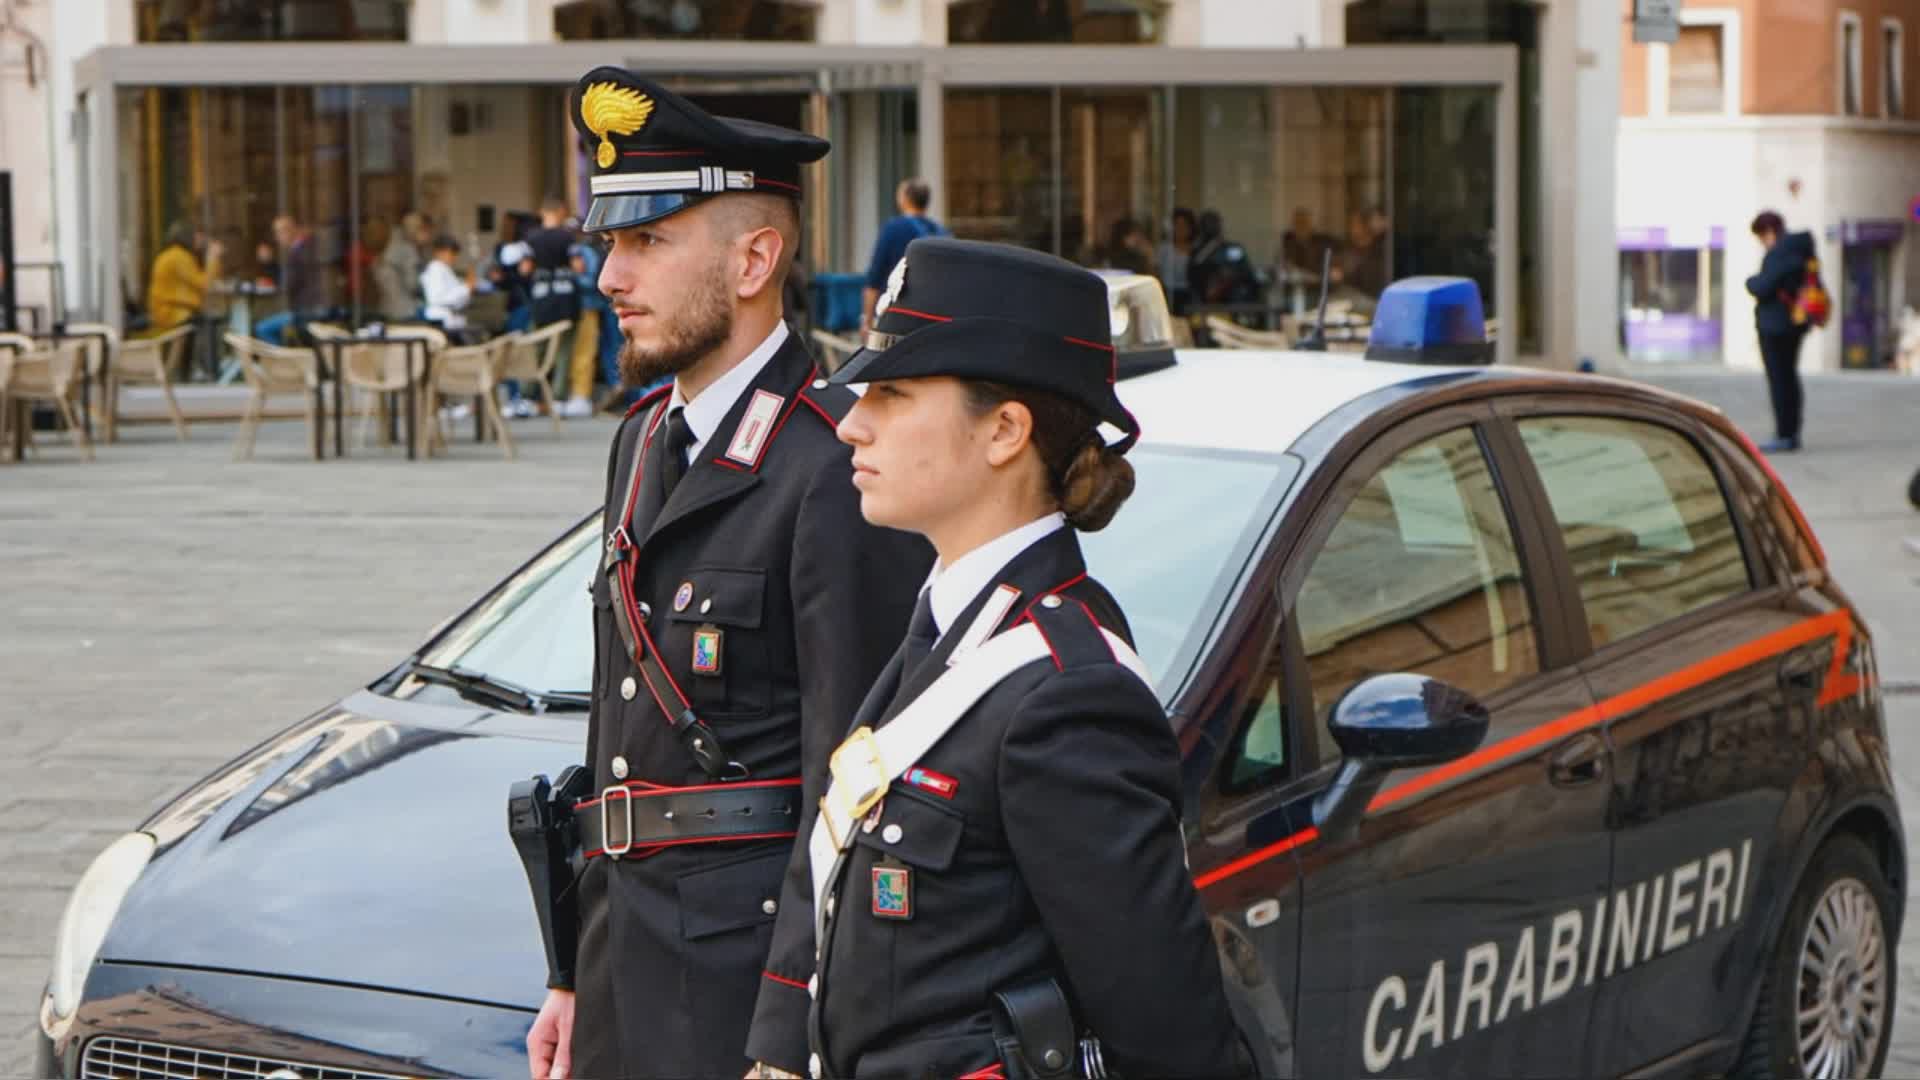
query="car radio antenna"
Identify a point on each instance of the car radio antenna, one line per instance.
(1316, 339)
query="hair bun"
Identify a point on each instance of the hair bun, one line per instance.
(1096, 484)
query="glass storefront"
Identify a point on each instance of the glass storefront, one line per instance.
(1390, 182)
(1458, 22)
(270, 20)
(1060, 22)
(685, 20)
(341, 166)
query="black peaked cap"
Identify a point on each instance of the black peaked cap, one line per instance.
(654, 152)
(976, 310)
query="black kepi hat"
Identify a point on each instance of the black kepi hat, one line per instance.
(1007, 314)
(654, 152)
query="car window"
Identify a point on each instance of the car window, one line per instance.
(1173, 552)
(1170, 557)
(1645, 524)
(1418, 575)
(536, 630)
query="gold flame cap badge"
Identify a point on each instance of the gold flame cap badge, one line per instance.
(611, 109)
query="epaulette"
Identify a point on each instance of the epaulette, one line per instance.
(830, 403)
(1073, 634)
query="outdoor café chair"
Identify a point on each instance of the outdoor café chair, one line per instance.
(145, 362)
(468, 371)
(48, 374)
(531, 358)
(273, 369)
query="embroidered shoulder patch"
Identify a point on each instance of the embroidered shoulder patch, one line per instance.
(756, 427)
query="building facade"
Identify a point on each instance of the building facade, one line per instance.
(1469, 137)
(1804, 107)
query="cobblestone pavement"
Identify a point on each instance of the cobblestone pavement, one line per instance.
(163, 608)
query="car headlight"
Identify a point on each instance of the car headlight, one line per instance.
(90, 912)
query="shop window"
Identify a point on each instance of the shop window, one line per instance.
(708, 20)
(1849, 64)
(1672, 302)
(1001, 168)
(1696, 72)
(1065, 22)
(271, 20)
(1470, 22)
(1893, 69)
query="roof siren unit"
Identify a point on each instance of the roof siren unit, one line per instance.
(1430, 320)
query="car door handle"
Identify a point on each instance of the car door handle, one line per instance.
(1579, 761)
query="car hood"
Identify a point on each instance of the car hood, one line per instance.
(367, 845)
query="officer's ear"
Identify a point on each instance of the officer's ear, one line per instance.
(760, 255)
(1009, 433)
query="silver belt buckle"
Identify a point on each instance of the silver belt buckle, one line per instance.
(606, 830)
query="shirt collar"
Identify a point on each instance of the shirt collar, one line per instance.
(704, 413)
(954, 587)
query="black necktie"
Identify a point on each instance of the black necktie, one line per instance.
(673, 452)
(921, 634)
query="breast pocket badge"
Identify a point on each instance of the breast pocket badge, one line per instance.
(892, 893)
(706, 650)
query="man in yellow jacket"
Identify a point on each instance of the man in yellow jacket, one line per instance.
(178, 285)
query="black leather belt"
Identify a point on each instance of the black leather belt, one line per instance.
(626, 817)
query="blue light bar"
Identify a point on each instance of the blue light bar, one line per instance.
(1430, 320)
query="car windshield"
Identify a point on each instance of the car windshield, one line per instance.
(1171, 557)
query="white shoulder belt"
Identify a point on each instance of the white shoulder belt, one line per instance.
(869, 761)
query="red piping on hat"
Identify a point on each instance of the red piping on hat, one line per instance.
(919, 314)
(759, 180)
(1091, 344)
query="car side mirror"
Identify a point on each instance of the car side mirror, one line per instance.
(1389, 722)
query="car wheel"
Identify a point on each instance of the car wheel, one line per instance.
(1825, 1009)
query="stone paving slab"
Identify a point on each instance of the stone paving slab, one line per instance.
(164, 608)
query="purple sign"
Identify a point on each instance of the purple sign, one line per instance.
(1875, 232)
(1671, 237)
(1673, 333)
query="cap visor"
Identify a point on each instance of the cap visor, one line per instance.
(860, 368)
(623, 211)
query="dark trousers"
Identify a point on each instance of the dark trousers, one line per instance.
(1781, 354)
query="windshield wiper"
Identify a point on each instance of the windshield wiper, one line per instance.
(477, 686)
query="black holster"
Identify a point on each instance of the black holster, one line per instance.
(1034, 1031)
(540, 820)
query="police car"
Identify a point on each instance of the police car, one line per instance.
(1525, 733)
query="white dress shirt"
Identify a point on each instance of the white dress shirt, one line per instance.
(446, 295)
(704, 413)
(954, 587)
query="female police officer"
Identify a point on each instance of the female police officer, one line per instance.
(998, 864)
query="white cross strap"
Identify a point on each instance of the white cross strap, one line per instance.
(868, 761)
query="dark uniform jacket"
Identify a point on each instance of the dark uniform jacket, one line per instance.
(1782, 270)
(1040, 837)
(808, 600)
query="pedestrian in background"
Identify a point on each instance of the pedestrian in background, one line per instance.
(398, 272)
(596, 337)
(1782, 328)
(1176, 251)
(177, 287)
(447, 292)
(912, 198)
(551, 289)
(301, 284)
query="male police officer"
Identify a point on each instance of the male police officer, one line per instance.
(741, 609)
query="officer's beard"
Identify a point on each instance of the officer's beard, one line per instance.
(702, 325)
